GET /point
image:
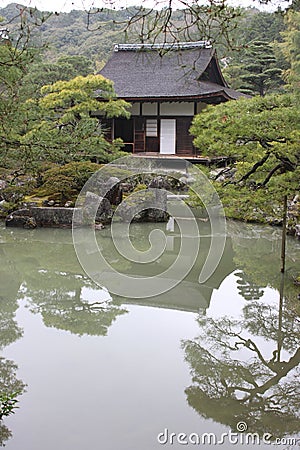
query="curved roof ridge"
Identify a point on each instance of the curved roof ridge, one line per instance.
(163, 46)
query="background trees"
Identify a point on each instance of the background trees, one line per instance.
(43, 72)
(258, 71)
(93, 34)
(291, 48)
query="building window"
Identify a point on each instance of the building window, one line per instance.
(151, 127)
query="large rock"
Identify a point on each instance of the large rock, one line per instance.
(149, 205)
(110, 189)
(96, 208)
(167, 182)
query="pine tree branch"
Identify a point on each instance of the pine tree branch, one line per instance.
(270, 174)
(254, 168)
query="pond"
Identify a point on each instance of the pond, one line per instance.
(205, 364)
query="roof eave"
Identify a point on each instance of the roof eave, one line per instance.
(163, 98)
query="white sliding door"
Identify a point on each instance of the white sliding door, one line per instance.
(167, 136)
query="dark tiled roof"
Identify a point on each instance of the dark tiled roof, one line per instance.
(180, 73)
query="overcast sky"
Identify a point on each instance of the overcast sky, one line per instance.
(68, 5)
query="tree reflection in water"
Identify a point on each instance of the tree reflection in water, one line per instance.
(65, 308)
(54, 286)
(10, 332)
(240, 377)
(52, 281)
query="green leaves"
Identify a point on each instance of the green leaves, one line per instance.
(8, 403)
(77, 98)
(10, 387)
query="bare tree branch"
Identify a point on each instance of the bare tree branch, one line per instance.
(175, 21)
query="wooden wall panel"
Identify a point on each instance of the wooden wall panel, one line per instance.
(184, 141)
(139, 135)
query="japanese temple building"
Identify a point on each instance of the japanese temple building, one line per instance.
(167, 84)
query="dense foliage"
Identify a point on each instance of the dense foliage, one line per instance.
(63, 129)
(53, 123)
(41, 72)
(57, 125)
(262, 135)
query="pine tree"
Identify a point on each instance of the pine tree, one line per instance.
(261, 72)
(291, 49)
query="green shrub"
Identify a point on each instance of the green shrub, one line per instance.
(65, 182)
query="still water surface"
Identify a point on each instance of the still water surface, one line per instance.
(112, 373)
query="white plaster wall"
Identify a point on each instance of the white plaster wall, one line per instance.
(177, 109)
(149, 109)
(200, 107)
(135, 109)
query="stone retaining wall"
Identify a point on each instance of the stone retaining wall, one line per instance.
(40, 217)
